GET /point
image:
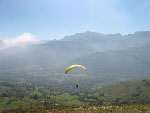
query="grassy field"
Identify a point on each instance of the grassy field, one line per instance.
(137, 108)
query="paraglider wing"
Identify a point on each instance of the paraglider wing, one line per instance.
(74, 66)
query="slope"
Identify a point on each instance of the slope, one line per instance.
(130, 63)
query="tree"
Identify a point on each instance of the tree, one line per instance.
(35, 97)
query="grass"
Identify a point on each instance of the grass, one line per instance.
(137, 108)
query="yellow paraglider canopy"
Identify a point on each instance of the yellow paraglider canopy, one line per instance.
(73, 66)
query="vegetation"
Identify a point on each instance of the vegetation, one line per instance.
(14, 95)
(126, 93)
(92, 109)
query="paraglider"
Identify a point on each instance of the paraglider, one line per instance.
(74, 66)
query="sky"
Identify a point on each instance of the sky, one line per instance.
(54, 19)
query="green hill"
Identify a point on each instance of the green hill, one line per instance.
(126, 93)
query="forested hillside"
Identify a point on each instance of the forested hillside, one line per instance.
(27, 96)
(126, 93)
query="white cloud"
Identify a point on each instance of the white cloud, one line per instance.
(25, 38)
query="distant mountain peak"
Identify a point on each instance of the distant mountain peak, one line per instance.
(84, 36)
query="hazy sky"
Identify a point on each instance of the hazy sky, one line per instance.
(49, 19)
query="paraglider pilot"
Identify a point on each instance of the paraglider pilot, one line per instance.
(77, 86)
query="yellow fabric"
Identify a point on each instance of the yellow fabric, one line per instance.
(73, 66)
